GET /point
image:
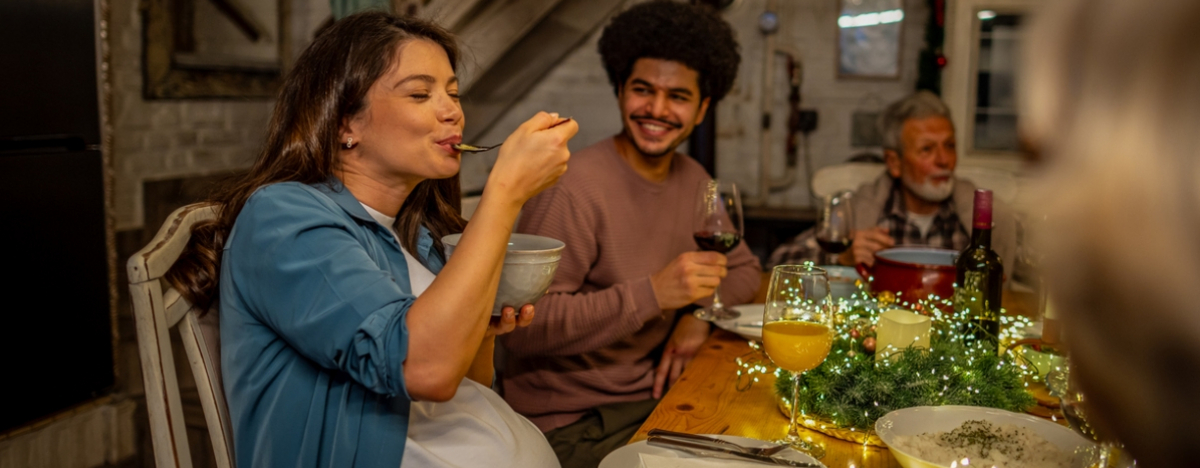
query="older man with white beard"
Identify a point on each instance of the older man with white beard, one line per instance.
(918, 200)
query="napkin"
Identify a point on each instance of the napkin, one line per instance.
(656, 461)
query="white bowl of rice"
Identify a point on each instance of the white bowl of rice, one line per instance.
(972, 436)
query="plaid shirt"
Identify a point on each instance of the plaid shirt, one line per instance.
(946, 231)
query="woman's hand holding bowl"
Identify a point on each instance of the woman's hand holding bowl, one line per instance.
(509, 321)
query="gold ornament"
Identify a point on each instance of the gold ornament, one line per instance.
(885, 298)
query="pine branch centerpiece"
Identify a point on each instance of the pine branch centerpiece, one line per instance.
(850, 390)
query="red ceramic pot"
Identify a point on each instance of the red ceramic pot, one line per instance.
(914, 272)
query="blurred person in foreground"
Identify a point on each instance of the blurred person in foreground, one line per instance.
(917, 201)
(1111, 99)
(613, 333)
(346, 338)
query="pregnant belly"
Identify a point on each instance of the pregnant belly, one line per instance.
(475, 428)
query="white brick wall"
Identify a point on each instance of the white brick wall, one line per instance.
(164, 139)
(808, 27)
(579, 88)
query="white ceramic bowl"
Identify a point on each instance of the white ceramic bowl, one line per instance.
(529, 267)
(922, 419)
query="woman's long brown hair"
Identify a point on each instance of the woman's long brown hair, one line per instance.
(327, 86)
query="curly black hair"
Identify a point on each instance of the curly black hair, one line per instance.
(692, 35)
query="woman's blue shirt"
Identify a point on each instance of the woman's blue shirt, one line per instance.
(313, 299)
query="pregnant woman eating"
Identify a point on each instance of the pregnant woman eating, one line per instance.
(347, 338)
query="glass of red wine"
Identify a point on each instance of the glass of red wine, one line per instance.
(835, 230)
(718, 229)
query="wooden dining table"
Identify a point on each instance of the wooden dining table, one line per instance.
(706, 400)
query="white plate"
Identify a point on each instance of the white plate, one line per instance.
(627, 456)
(749, 324)
(922, 419)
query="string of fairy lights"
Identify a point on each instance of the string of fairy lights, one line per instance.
(850, 389)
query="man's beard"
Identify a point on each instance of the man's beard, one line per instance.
(928, 190)
(668, 150)
(654, 154)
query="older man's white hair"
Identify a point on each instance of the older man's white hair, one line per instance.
(919, 105)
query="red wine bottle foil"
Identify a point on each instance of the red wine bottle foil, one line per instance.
(983, 209)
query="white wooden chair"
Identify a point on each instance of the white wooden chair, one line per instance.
(157, 308)
(829, 180)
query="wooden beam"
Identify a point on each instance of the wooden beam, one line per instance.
(183, 16)
(452, 14)
(504, 79)
(495, 30)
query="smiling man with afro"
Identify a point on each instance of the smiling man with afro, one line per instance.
(693, 36)
(614, 332)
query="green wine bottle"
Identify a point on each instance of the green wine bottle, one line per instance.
(979, 277)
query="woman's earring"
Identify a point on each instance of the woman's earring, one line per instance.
(349, 142)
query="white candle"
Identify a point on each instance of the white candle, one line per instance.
(898, 329)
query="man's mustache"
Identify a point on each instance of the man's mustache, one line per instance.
(947, 174)
(646, 118)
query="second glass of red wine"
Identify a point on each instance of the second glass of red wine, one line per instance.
(718, 229)
(835, 230)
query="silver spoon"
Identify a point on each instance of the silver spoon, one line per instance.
(479, 149)
(474, 149)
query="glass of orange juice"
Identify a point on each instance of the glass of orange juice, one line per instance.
(798, 330)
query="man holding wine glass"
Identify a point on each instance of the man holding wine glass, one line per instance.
(614, 330)
(916, 201)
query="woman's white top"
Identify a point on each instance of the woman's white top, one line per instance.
(476, 427)
(419, 277)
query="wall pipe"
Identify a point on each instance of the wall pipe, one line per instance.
(768, 25)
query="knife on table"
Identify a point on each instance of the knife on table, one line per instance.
(708, 450)
(704, 439)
